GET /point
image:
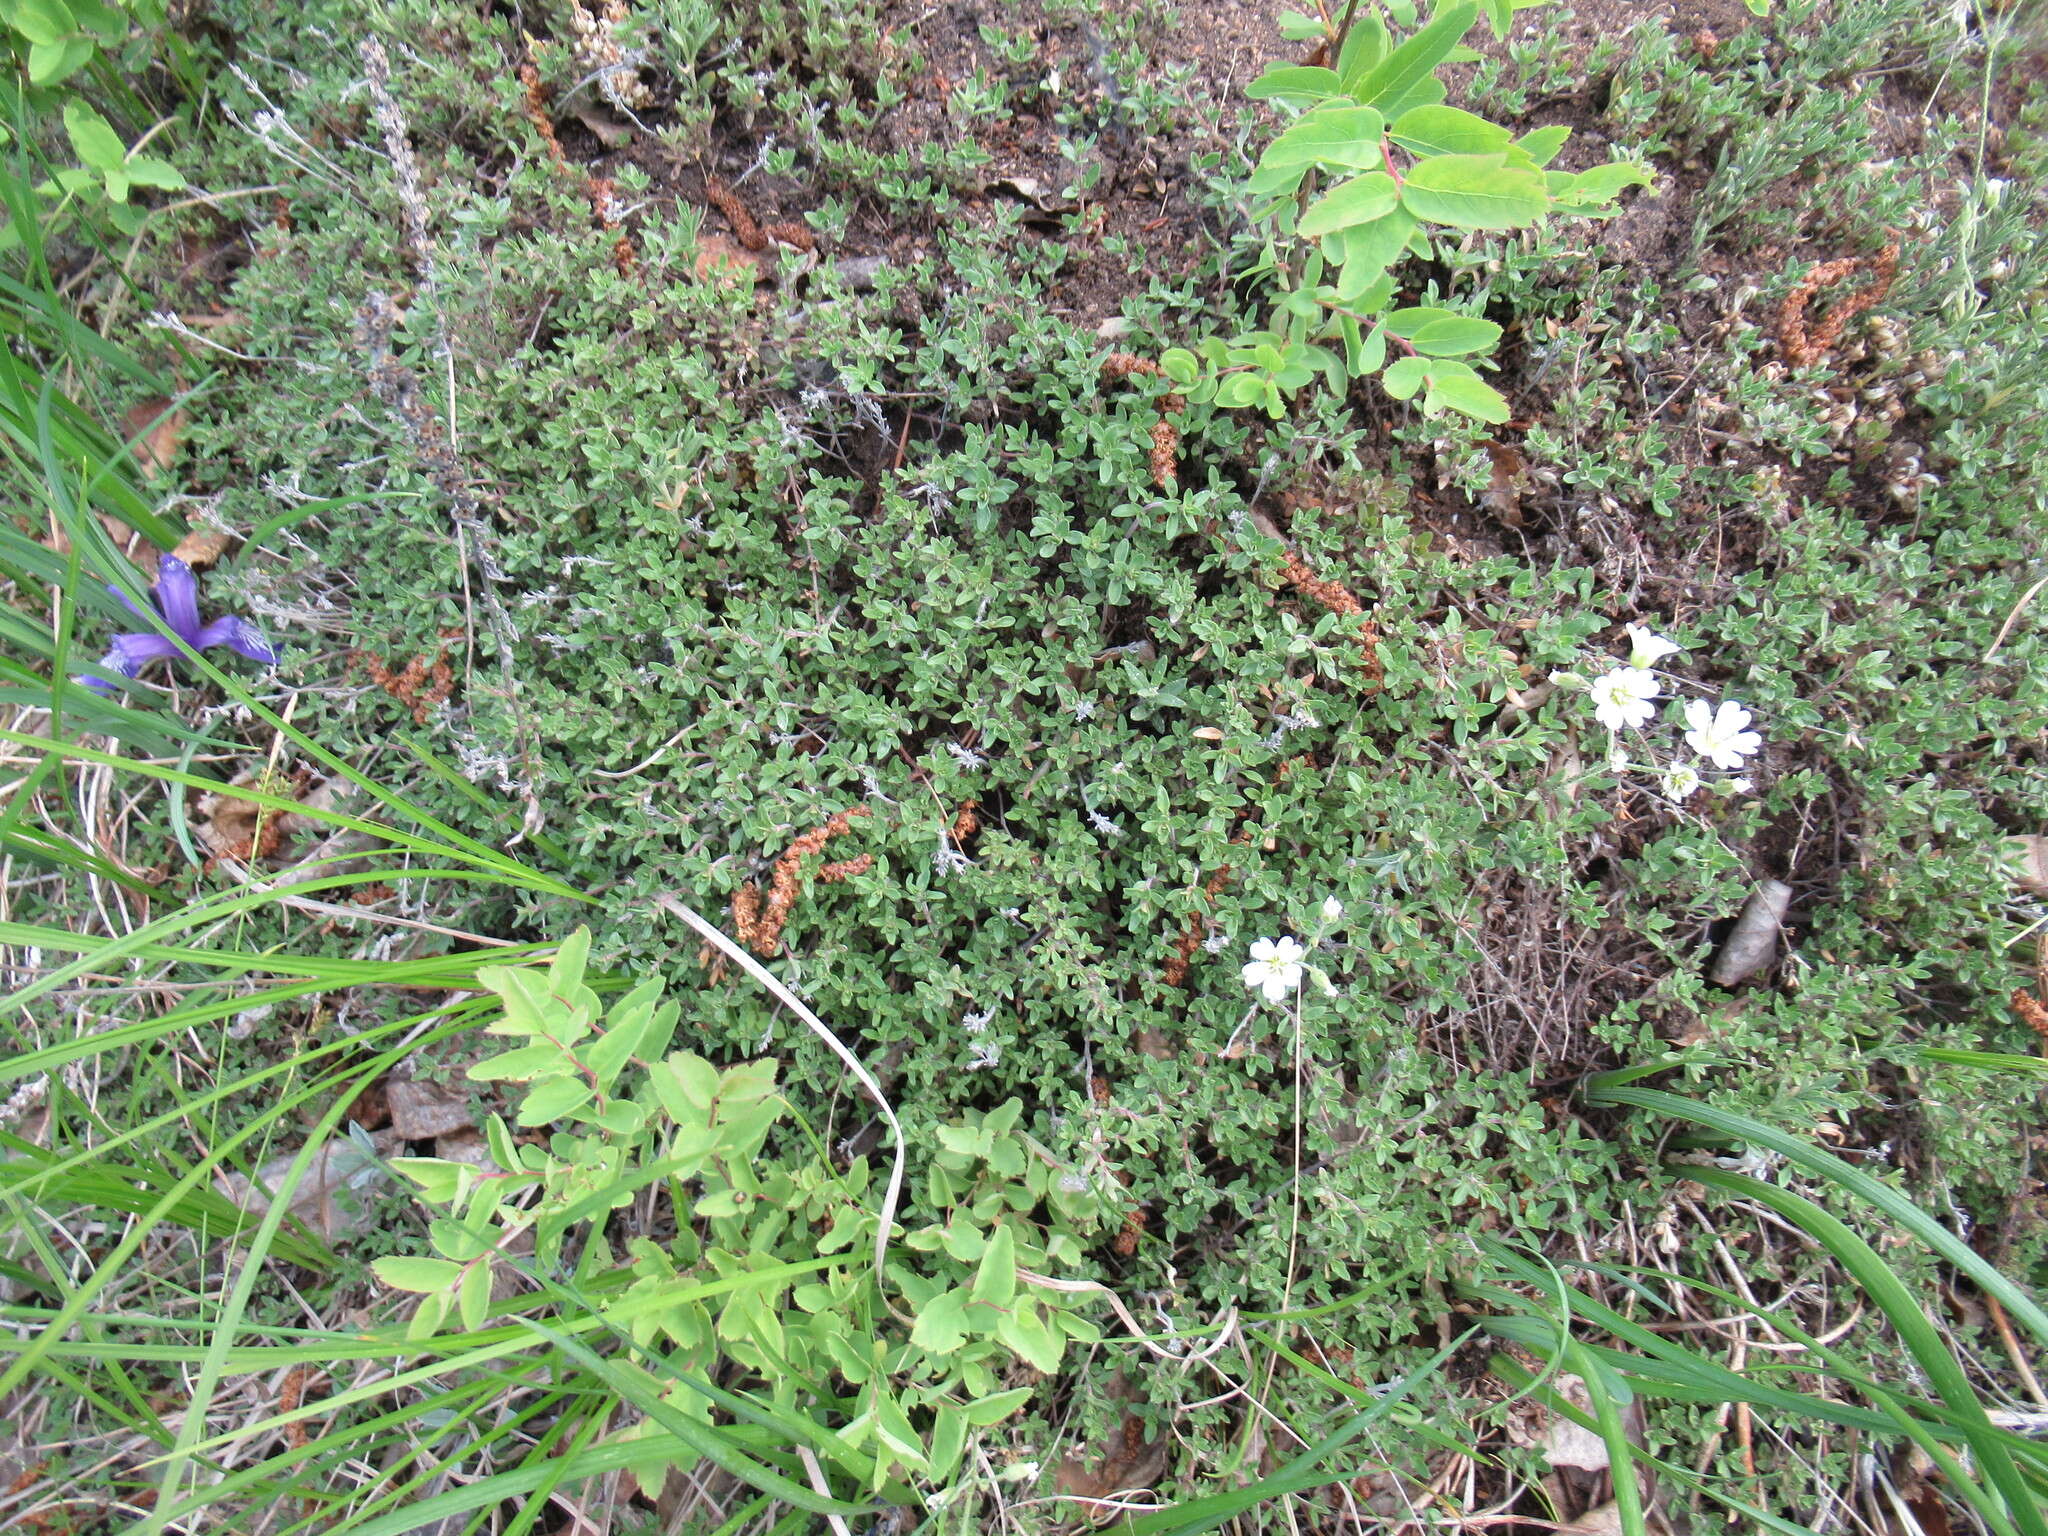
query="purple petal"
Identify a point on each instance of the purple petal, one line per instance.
(131, 653)
(239, 636)
(177, 594)
(129, 603)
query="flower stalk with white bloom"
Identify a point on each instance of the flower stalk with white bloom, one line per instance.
(1720, 733)
(1275, 968)
(1647, 647)
(1623, 699)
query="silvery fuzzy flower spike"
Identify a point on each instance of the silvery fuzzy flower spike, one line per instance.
(176, 596)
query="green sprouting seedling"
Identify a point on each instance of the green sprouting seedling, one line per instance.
(766, 1278)
(1372, 170)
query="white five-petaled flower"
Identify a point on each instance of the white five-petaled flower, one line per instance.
(1720, 733)
(1333, 909)
(1681, 781)
(1622, 698)
(1275, 967)
(1647, 647)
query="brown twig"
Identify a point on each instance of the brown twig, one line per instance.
(758, 925)
(1338, 598)
(1803, 346)
(2033, 1015)
(1119, 366)
(422, 686)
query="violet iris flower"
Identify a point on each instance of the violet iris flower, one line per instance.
(176, 595)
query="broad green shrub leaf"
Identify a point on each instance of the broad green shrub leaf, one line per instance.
(1363, 50)
(1454, 335)
(995, 1282)
(1475, 192)
(1024, 1330)
(1602, 184)
(43, 22)
(1295, 84)
(1464, 392)
(1542, 144)
(994, 1409)
(1405, 77)
(54, 63)
(1330, 135)
(552, 1100)
(410, 1274)
(1365, 251)
(1405, 378)
(94, 138)
(941, 1325)
(1360, 200)
(1447, 131)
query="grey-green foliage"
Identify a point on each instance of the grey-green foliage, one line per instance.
(1377, 169)
(768, 1278)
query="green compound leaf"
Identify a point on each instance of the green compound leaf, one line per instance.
(1360, 200)
(1475, 192)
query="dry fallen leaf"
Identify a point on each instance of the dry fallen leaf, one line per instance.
(155, 428)
(334, 1199)
(203, 546)
(726, 261)
(2028, 858)
(423, 1109)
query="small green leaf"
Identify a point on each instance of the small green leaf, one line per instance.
(1454, 335)
(995, 1282)
(1295, 84)
(1366, 251)
(941, 1324)
(1406, 75)
(1475, 192)
(1024, 1331)
(1405, 378)
(949, 1441)
(43, 22)
(553, 1099)
(1542, 144)
(148, 171)
(1604, 183)
(1298, 27)
(1447, 131)
(473, 1297)
(993, 1410)
(439, 1180)
(1360, 200)
(54, 63)
(1240, 389)
(720, 1203)
(1468, 395)
(1180, 365)
(1363, 50)
(410, 1274)
(94, 139)
(1343, 136)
